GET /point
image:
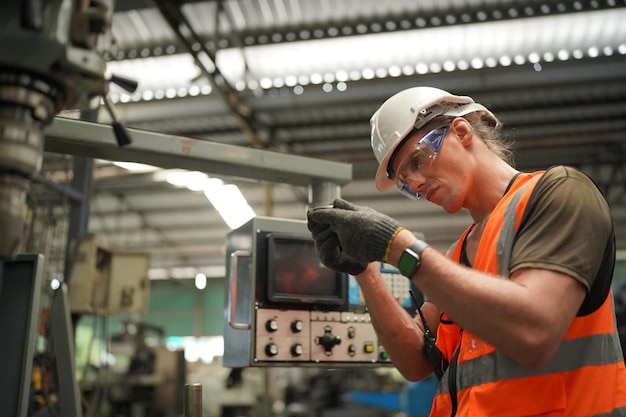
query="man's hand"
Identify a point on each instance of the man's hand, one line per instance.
(330, 251)
(348, 236)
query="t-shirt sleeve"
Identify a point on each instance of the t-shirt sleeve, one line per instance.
(566, 228)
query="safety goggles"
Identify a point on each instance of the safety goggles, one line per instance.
(425, 152)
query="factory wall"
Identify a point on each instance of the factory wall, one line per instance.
(183, 310)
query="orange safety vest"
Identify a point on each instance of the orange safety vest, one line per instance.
(586, 376)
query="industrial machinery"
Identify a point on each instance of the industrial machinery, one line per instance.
(283, 307)
(106, 281)
(52, 58)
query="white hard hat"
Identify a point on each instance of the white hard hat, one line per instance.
(407, 111)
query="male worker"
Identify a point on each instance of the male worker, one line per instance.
(521, 305)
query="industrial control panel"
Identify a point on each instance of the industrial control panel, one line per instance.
(283, 307)
(315, 336)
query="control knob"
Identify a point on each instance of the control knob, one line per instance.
(271, 349)
(271, 325)
(296, 349)
(297, 326)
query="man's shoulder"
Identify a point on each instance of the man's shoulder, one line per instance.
(564, 171)
(563, 174)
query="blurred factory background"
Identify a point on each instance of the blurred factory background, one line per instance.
(268, 102)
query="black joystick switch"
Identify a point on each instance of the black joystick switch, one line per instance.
(328, 340)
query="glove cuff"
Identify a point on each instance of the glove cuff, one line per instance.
(386, 230)
(388, 249)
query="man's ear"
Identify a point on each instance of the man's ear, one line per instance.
(462, 129)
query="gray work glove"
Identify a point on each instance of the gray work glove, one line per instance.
(348, 237)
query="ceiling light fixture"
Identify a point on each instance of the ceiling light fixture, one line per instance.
(316, 78)
(449, 66)
(408, 70)
(368, 73)
(200, 281)
(462, 65)
(291, 81)
(230, 204)
(227, 199)
(194, 90)
(135, 166)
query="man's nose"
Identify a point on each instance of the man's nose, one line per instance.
(416, 182)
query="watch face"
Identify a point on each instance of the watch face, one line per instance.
(408, 263)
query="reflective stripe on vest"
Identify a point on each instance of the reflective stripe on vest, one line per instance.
(504, 246)
(490, 383)
(571, 355)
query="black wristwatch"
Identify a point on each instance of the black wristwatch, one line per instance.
(410, 259)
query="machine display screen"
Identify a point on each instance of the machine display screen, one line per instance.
(296, 274)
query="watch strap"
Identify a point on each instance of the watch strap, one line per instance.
(418, 247)
(410, 261)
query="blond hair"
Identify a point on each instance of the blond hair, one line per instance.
(490, 131)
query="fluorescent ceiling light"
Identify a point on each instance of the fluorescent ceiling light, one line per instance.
(231, 204)
(227, 199)
(135, 166)
(193, 180)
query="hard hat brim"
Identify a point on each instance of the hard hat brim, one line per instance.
(382, 181)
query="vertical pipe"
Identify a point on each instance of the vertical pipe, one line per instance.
(198, 313)
(323, 193)
(79, 212)
(268, 203)
(193, 400)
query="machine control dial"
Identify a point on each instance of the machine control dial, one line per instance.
(297, 326)
(271, 349)
(271, 325)
(296, 349)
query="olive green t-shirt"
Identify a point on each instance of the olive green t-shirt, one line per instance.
(567, 227)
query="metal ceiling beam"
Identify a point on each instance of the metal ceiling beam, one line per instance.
(473, 12)
(201, 53)
(480, 12)
(77, 137)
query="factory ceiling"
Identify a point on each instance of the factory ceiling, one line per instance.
(303, 77)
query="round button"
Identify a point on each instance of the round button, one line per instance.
(271, 349)
(297, 326)
(271, 325)
(297, 349)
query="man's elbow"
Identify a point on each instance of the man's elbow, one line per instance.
(536, 353)
(415, 375)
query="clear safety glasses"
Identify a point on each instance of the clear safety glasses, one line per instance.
(425, 152)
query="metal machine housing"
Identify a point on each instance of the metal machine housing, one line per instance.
(258, 332)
